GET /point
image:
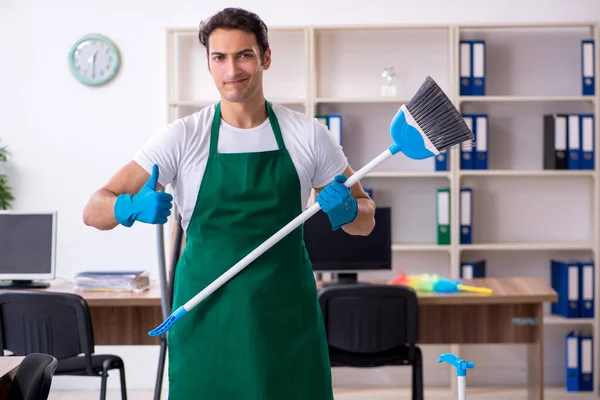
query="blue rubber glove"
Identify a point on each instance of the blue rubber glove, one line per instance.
(336, 201)
(148, 205)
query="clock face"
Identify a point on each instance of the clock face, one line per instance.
(94, 60)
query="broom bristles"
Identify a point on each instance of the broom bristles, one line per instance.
(435, 114)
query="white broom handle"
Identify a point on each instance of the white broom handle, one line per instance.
(296, 222)
(462, 388)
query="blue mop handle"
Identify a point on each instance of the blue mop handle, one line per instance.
(461, 371)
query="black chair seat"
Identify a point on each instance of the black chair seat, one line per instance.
(77, 365)
(58, 324)
(396, 356)
(370, 325)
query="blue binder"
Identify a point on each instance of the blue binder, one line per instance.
(478, 70)
(573, 362)
(466, 68)
(480, 152)
(586, 295)
(564, 278)
(573, 141)
(466, 215)
(588, 67)
(466, 147)
(586, 363)
(472, 269)
(587, 141)
(441, 161)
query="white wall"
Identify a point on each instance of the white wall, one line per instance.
(67, 139)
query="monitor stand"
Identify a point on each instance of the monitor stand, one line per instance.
(344, 279)
(24, 284)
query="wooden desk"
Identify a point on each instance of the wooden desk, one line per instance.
(512, 314)
(8, 369)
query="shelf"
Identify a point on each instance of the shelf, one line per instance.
(205, 102)
(528, 246)
(525, 99)
(408, 174)
(558, 320)
(531, 172)
(366, 100)
(419, 247)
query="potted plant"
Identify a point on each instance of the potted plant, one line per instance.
(6, 196)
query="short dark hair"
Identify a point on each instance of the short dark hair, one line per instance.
(236, 18)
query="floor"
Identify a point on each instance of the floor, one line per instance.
(349, 394)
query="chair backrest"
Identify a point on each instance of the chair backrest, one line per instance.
(369, 318)
(46, 322)
(33, 378)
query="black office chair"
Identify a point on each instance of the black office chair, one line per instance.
(33, 378)
(370, 325)
(58, 324)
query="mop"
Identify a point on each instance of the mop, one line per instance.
(461, 372)
(428, 124)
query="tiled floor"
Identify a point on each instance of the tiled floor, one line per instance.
(345, 394)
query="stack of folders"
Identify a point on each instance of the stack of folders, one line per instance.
(333, 122)
(443, 215)
(573, 281)
(569, 141)
(473, 62)
(475, 155)
(472, 269)
(112, 281)
(579, 356)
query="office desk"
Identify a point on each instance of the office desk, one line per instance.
(8, 369)
(512, 314)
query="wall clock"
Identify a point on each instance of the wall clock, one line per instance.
(94, 59)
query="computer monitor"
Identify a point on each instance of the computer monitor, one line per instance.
(27, 249)
(345, 254)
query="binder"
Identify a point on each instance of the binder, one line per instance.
(466, 215)
(555, 141)
(478, 58)
(586, 371)
(441, 161)
(466, 147)
(443, 216)
(333, 123)
(465, 68)
(472, 269)
(573, 142)
(586, 283)
(588, 67)
(564, 278)
(586, 126)
(572, 357)
(480, 156)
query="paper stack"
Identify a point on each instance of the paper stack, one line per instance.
(113, 281)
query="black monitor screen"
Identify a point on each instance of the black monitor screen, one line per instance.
(331, 250)
(26, 243)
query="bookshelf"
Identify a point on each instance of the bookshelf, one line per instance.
(531, 70)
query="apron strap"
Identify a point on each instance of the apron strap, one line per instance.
(216, 124)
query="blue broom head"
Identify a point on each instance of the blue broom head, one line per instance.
(428, 124)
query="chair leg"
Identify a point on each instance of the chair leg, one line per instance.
(123, 385)
(417, 376)
(103, 386)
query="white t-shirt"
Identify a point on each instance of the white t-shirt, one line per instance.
(181, 150)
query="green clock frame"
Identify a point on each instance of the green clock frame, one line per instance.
(114, 68)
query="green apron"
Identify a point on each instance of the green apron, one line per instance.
(261, 335)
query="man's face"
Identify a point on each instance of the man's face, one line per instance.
(235, 65)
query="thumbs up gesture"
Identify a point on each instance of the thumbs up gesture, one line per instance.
(148, 205)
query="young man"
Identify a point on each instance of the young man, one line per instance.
(241, 169)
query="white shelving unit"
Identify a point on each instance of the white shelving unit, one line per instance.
(523, 215)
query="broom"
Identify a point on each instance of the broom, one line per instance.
(424, 127)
